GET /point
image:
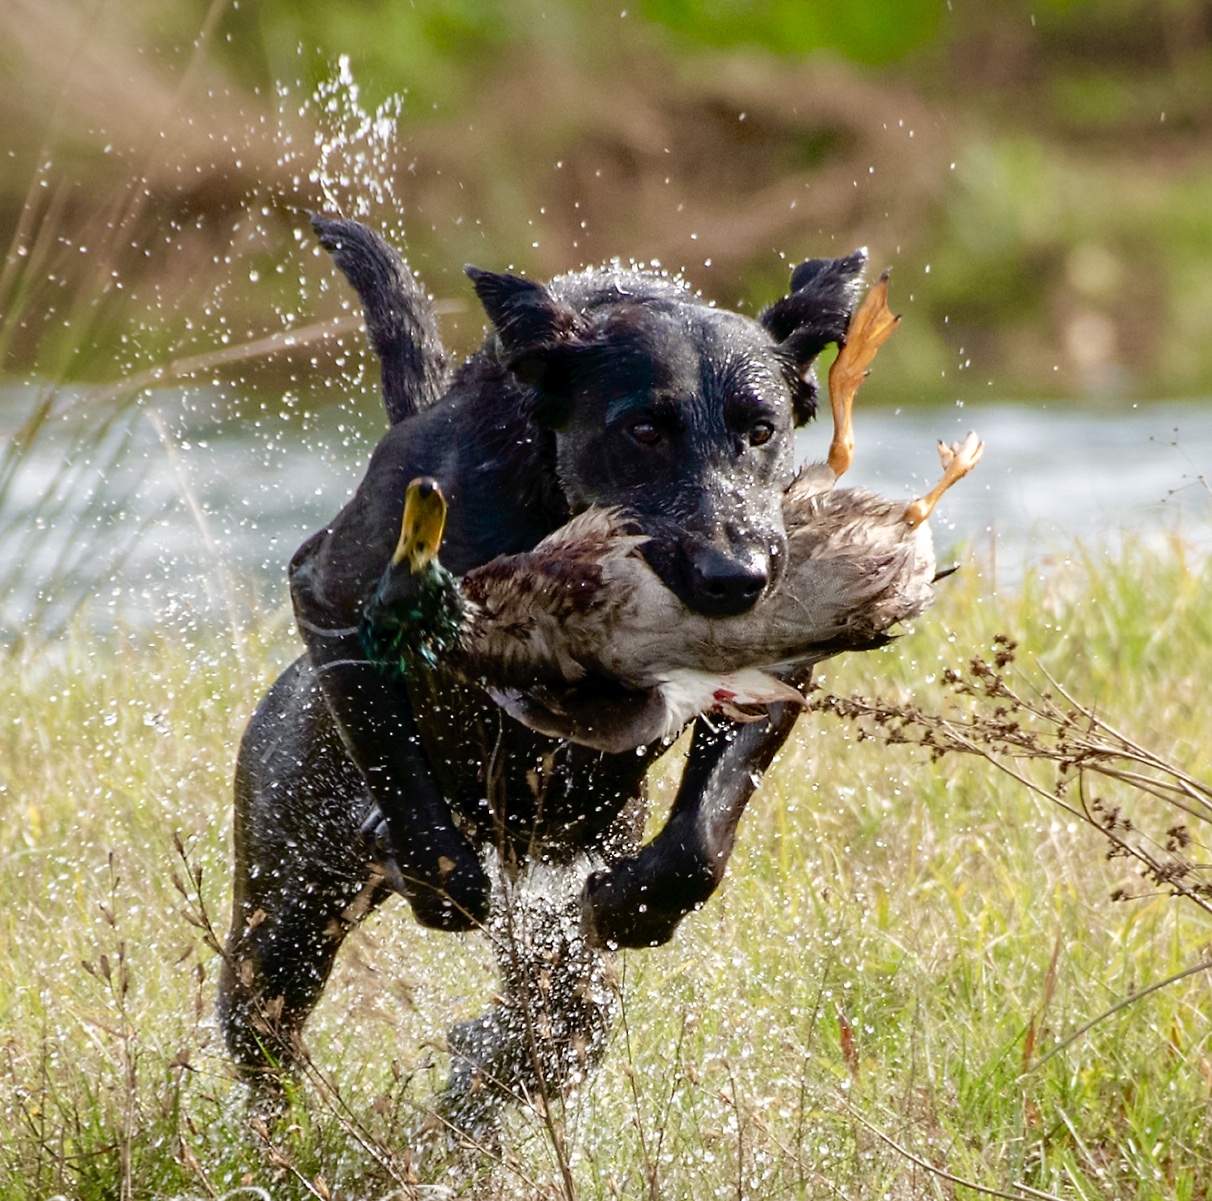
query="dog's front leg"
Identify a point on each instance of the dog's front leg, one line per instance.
(439, 870)
(641, 899)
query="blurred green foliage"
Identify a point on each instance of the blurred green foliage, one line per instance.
(428, 50)
(1038, 172)
(875, 33)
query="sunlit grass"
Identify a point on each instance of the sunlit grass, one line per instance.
(896, 942)
(870, 973)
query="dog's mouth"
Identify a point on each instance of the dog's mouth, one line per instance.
(714, 577)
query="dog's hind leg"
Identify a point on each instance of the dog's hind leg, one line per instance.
(302, 879)
(549, 1030)
(400, 320)
(278, 957)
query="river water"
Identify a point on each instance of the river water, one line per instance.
(180, 515)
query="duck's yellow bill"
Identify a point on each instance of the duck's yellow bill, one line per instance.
(421, 529)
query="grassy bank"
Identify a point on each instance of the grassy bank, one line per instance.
(898, 940)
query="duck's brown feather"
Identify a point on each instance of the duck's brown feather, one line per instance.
(586, 600)
(585, 603)
(538, 618)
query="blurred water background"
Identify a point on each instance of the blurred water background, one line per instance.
(185, 516)
(184, 389)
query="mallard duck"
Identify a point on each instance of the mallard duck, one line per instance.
(528, 621)
(580, 639)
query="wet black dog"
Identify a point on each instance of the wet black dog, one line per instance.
(610, 387)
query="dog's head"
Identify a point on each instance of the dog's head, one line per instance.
(680, 413)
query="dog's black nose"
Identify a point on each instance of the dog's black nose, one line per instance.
(721, 586)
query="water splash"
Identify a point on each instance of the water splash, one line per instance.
(115, 488)
(549, 1030)
(357, 149)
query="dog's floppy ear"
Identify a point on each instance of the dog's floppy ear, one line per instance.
(815, 312)
(535, 331)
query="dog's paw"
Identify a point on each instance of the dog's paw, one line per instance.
(616, 911)
(457, 902)
(449, 891)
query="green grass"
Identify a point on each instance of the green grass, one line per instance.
(868, 974)
(897, 938)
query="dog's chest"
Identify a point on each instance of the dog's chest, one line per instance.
(545, 795)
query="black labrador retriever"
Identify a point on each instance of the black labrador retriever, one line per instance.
(611, 387)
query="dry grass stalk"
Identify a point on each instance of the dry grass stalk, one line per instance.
(1012, 726)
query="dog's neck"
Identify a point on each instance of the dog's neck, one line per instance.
(510, 495)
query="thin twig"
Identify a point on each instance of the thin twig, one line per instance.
(1076, 740)
(1203, 966)
(942, 1173)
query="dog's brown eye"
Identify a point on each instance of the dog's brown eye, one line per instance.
(760, 432)
(646, 433)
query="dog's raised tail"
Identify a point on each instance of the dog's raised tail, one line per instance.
(400, 319)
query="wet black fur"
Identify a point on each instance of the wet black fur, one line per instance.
(611, 387)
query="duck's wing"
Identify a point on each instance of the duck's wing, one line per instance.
(855, 567)
(603, 714)
(596, 712)
(535, 618)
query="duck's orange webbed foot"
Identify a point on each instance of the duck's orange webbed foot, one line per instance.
(958, 459)
(870, 327)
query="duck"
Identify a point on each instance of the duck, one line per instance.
(579, 639)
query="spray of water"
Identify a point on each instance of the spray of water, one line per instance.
(356, 149)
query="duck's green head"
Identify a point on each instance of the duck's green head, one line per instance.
(412, 623)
